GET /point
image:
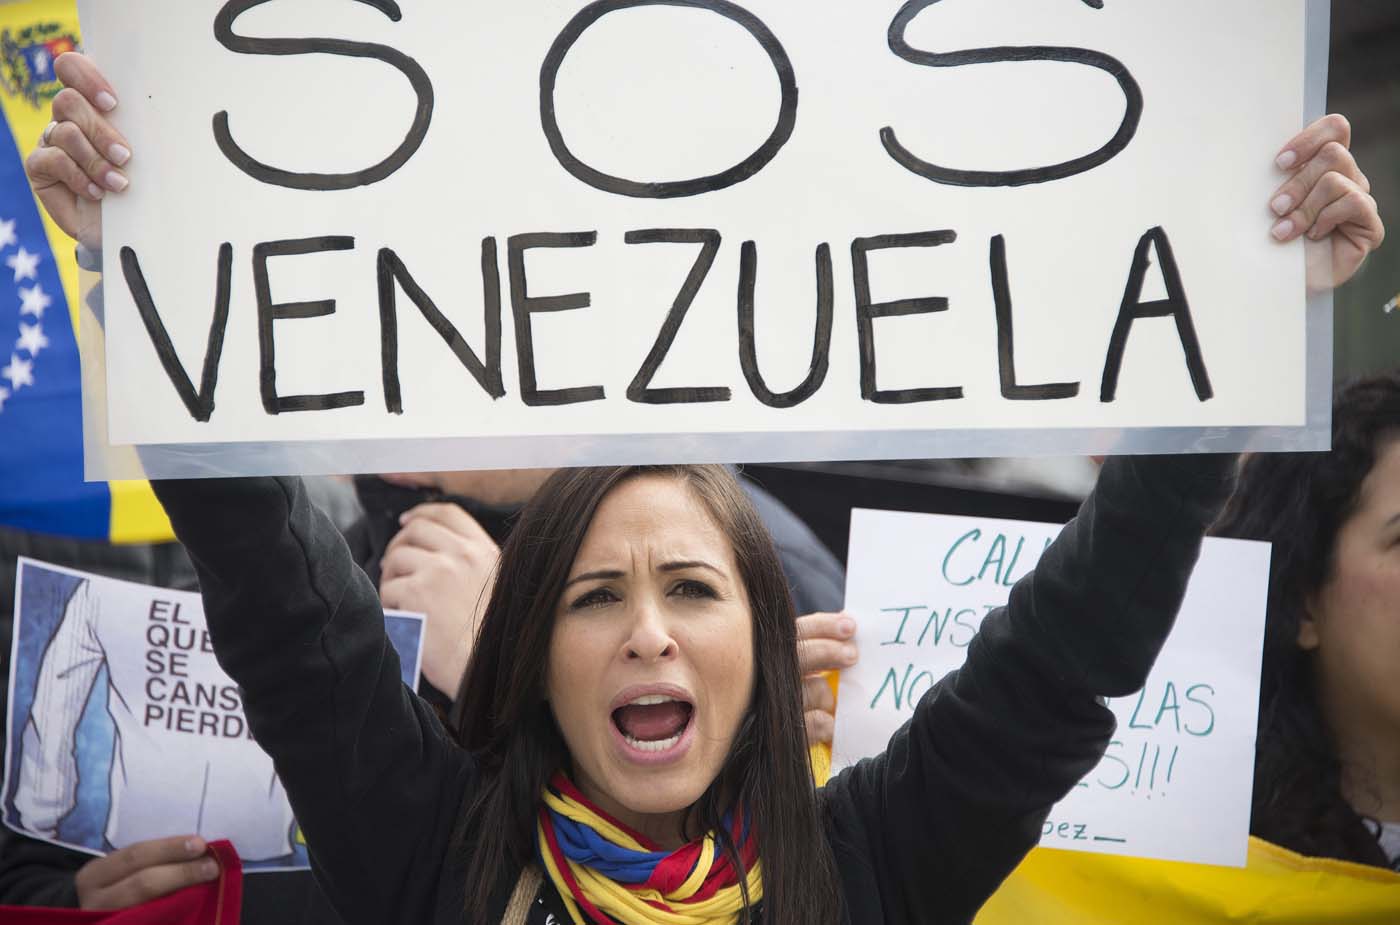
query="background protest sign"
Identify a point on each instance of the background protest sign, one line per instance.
(1176, 781)
(122, 726)
(633, 229)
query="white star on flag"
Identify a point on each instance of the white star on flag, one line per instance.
(19, 372)
(4, 394)
(35, 301)
(25, 264)
(7, 232)
(31, 338)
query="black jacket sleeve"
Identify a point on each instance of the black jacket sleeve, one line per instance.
(928, 830)
(36, 873)
(373, 779)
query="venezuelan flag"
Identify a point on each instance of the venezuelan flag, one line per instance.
(1275, 887)
(41, 424)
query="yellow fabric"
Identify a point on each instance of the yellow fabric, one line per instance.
(820, 754)
(1277, 887)
(136, 515)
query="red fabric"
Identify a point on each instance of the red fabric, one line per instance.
(217, 902)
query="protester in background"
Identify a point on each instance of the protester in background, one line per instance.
(1327, 778)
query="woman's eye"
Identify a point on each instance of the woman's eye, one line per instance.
(693, 589)
(595, 598)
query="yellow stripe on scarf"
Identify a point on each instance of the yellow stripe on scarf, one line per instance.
(586, 816)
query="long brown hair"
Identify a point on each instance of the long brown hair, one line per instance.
(1300, 502)
(502, 718)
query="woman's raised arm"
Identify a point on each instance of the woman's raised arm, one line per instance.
(373, 779)
(959, 797)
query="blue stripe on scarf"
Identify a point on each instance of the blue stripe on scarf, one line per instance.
(584, 846)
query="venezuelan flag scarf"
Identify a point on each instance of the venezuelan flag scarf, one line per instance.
(608, 874)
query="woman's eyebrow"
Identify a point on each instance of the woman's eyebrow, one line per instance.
(602, 575)
(688, 564)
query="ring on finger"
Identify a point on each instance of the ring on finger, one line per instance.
(48, 130)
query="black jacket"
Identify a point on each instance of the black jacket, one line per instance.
(923, 833)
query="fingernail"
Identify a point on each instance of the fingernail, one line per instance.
(1282, 205)
(95, 191)
(850, 654)
(106, 101)
(194, 846)
(1286, 160)
(118, 154)
(403, 518)
(115, 181)
(1283, 230)
(209, 870)
(846, 626)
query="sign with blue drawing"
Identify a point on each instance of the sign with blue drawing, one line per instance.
(123, 727)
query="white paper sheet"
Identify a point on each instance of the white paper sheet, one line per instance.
(1176, 781)
(667, 92)
(123, 727)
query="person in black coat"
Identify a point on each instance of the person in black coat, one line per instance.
(407, 822)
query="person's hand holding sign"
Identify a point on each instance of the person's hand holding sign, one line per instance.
(144, 871)
(441, 564)
(80, 156)
(825, 643)
(1327, 197)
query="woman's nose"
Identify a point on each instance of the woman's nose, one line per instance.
(650, 639)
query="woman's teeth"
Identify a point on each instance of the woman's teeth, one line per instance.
(650, 700)
(658, 746)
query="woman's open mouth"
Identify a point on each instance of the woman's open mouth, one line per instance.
(653, 726)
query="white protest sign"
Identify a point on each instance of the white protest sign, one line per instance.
(693, 229)
(1176, 781)
(123, 727)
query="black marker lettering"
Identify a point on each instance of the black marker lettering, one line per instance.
(417, 77)
(270, 312)
(1132, 95)
(199, 404)
(787, 110)
(867, 311)
(1174, 306)
(1006, 341)
(821, 337)
(523, 305)
(393, 273)
(640, 390)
